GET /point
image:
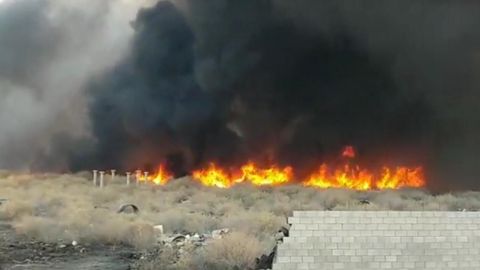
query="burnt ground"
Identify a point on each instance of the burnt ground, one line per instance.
(20, 253)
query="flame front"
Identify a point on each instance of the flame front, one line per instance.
(362, 179)
(353, 177)
(161, 177)
(272, 176)
(348, 176)
(213, 177)
(401, 177)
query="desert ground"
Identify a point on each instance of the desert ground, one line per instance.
(53, 221)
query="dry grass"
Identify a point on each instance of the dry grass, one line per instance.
(68, 207)
(237, 250)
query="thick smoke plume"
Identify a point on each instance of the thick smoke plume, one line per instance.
(292, 82)
(271, 80)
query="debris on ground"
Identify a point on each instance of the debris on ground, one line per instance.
(158, 229)
(285, 231)
(365, 202)
(158, 232)
(128, 209)
(219, 234)
(176, 246)
(265, 261)
(282, 233)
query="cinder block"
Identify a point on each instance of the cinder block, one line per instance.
(363, 240)
(307, 259)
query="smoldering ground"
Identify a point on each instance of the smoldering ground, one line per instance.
(66, 208)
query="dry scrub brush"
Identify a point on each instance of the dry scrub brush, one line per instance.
(236, 251)
(68, 207)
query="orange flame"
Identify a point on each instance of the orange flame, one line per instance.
(272, 176)
(362, 179)
(160, 178)
(213, 177)
(348, 176)
(349, 152)
(401, 177)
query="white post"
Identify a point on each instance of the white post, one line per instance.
(95, 177)
(113, 174)
(138, 174)
(128, 178)
(102, 174)
(146, 177)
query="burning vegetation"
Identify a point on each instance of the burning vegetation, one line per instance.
(348, 175)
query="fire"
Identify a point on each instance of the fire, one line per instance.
(161, 177)
(213, 177)
(362, 179)
(349, 152)
(347, 175)
(272, 176)
(250, 172)
(401, 177)
(354, 177)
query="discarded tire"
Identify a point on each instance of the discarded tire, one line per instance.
(128, 208)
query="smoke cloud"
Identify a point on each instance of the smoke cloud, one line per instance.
(293, 82)
(49, 50)
(227, 81)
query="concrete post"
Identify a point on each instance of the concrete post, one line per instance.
(128, 178)
(138, 175)
(102, 174)
(113, 174)
(145, 174)
(95, 177)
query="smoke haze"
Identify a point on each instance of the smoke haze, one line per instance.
(189, 82)
(49, 50)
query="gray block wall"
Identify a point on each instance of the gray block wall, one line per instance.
(361, 240)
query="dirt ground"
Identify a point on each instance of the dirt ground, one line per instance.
(20, 253)
(41, 215)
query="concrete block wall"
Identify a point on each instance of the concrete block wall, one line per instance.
(361, 240)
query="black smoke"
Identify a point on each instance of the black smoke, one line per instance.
(293, 82)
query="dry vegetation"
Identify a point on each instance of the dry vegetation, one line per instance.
(68, 207)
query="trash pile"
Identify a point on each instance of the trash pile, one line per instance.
(178, 245)
(179, 241)
(181, 244)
